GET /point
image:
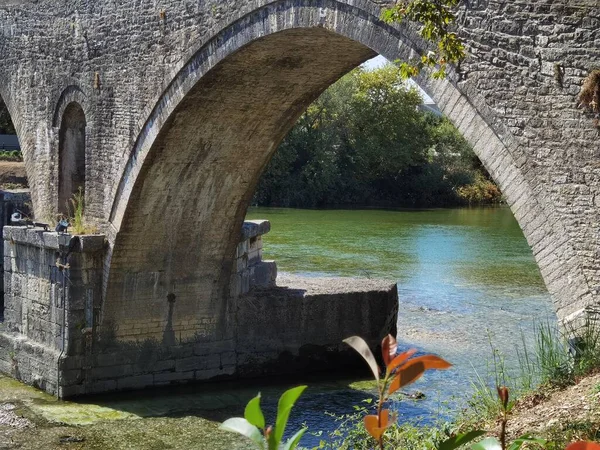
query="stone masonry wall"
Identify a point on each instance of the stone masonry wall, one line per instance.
(50, 337)
(250, 270)
(299, 325)
(10, 201)
(53, 288)
(185, 102)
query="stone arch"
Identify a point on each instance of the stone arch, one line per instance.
(186, 186)
(71, 154)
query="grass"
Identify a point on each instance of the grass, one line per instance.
(555, 362)
(77, 220)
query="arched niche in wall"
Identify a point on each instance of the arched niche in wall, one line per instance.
(71, 155)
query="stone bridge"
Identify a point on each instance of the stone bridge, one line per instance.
(165, 113)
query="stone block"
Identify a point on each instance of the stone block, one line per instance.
(119, 371)
(165, 365)
(101, 386)
(254, 228)
(91, 243)
(263, 274)
(191, 363)
(136, 382)
(171, 377)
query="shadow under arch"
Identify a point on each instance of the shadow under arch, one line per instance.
(188, 182)
(71, 154)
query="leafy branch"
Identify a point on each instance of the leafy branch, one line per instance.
(436, 19)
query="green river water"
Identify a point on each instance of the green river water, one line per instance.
(465, 277)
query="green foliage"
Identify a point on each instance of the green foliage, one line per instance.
(365, 142)
(6, 125)
(357, 431)
(434, 19)
(77, 220)
(12, 155)
(481, 191)
(400, 370)
(352, 435)
(253, 425)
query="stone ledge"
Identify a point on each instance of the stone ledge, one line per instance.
(332, 285)
(52, 240)
(254, 228)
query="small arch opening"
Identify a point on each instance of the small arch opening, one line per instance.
(71, 155)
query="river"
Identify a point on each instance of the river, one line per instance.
(466, 278)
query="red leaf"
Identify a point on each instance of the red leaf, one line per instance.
(389, 346)
(400, 359)
(503, 394)
(583, 446)
(415, 368)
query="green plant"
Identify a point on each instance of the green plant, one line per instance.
(77, 219)
(400, 371)
(435, 18)
(253, 425)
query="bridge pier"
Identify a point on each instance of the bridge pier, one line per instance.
(52, 296)
(52, 336)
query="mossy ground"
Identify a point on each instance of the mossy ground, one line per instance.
(181, 417)
(80, 425)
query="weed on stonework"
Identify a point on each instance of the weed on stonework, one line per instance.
(76, 218)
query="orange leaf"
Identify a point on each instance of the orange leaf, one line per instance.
(414, 369)
(372, 424)
(389, 346)
(400, 359)
(583, 446)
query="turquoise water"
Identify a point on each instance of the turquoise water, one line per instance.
(466, 277)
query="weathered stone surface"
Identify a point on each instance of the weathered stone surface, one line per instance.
(300, 325)
(184, 109)
(51, 338)
(236, 74)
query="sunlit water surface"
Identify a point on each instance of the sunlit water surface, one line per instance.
(466, 279)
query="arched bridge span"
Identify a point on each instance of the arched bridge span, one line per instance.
(186, 102)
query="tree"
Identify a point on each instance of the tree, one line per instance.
(434, 19)
(6, 125)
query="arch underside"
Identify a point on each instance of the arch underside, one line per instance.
(185, 192)
(181, 228)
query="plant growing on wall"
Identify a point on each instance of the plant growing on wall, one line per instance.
(77, 220)
(435, 19)
(589, 97)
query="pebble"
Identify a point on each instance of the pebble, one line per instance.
(10, 419)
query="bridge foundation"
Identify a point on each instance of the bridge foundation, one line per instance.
(51, 336)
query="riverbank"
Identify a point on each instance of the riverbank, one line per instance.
(560, 415)
(31, 419)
